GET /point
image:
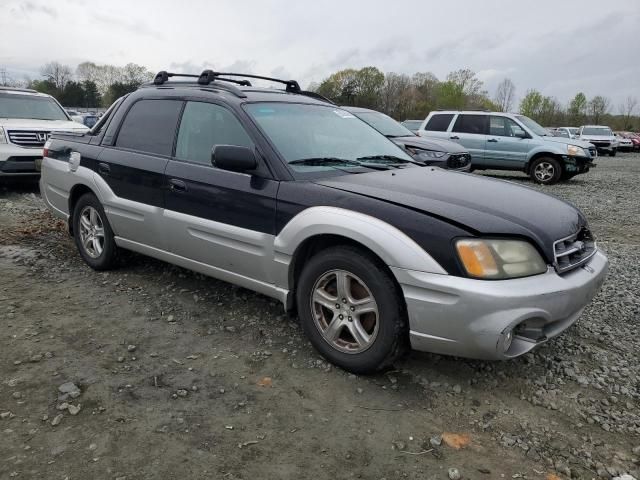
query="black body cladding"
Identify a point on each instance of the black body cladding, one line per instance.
(431, 206)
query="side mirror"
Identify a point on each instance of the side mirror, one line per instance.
(234, 158)
(521, 134)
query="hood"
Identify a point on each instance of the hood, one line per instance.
(483, 206)
(429, 144)
(48, 125)
(604, 138)
(567, 141)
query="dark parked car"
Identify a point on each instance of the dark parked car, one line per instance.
(295, 198)
(439, 153)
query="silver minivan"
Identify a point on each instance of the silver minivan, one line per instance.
(509, 141)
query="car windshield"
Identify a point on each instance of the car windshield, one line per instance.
(533, 126)
(384, 124)
(573, 131)
(605, 131)
(316, 138)
(14, 105)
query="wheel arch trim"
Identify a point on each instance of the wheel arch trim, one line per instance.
(391, 245)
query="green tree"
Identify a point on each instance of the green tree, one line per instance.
(117, 90)
(92, 97)
(451, 95)
(577, 109)
(531, 104)
(72, 95)
(598, 107)
(44, 86)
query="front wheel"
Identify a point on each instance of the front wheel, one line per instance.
(351, 310)
(545, 170)
(92, 233)
(613, 152)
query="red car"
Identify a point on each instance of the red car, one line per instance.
(634, 137)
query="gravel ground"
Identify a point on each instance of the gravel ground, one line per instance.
(151, 371)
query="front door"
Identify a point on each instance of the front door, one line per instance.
(220, 218)
(506, 146)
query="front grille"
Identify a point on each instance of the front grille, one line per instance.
(27, 138)
(573, 251)
(600, 143)
(458, 160)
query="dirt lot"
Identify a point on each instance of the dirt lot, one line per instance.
(182, 376)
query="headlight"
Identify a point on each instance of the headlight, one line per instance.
(576, 151)
(430, 153)
(499, 259)
(3, 137)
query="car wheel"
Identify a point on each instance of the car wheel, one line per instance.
(545, 170)
(612, 153)
(93, 234)
(351, 310)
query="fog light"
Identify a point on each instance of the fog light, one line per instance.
(508, 337)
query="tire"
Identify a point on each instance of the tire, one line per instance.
(545, 170)
(566, 176)
(381, 331)
(612, 153)
(99, 251)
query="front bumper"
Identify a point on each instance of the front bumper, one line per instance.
(469, 318)
(578, 164)
(18, 161)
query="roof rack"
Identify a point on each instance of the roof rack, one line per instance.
(18, 89)
(209, 76)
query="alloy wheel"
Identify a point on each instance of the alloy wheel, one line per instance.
(345, 311)
(91, 232)
(544, 171)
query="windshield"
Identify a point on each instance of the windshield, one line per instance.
(306, 132)
(414, 124)
(384, 124)
(13, 105)
(533, 126)
(604, 131)
(573, 131)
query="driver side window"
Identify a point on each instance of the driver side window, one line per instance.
(204, 125)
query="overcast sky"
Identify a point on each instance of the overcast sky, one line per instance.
(558, 47)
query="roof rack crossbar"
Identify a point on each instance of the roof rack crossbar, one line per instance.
(163, 76)
(210, 75)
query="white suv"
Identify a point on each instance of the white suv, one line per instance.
(27, 119)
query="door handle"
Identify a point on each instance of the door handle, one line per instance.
(493, 140)
(104, 168)
(455, 137)
(177, 185)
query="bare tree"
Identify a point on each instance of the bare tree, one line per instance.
(626, 110)
(57, 74)
(598, 106)
(504, 94)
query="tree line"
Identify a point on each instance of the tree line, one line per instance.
(89, 85)
(403, 96)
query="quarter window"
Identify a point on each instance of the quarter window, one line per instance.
(150, 126)
(205, 125)
(439, 122)
(471, 124)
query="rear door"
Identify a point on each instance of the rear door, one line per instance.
(470, 131)
(133, 169)
(437, 125)
(221, 218)
(504, 149)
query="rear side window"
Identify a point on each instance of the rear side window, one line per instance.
(477, 124)
(150, 126)
(204, 125)
(439, 122)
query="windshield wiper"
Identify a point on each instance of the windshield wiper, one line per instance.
(391, 160)
(324, 161)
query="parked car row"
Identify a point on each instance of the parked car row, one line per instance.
(605, 140)
(287, 194)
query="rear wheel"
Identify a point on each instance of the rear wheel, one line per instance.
(545, 170)
(351, 310)
(92, 233)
